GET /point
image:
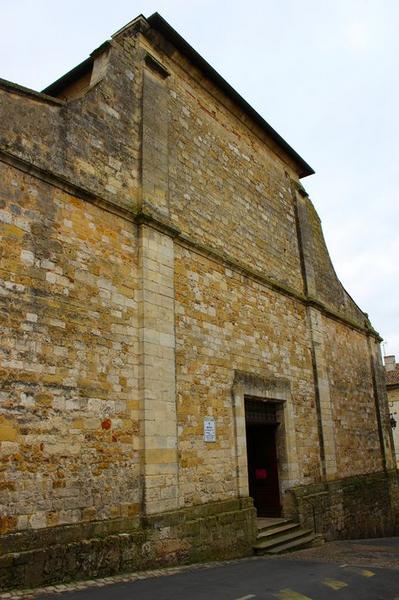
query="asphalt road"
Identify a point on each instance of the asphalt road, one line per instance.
(256, 579)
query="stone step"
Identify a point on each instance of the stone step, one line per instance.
(270, 532)
(293, 537)
(294, 545)
(266, 524)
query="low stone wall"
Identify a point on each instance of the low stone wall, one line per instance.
(355, 507)
(213, 531)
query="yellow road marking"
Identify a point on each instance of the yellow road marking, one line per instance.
(288, 594)
(334, 584)
(366, 573)
(362, 572)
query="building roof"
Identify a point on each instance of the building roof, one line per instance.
(157, 22)
(392, 377)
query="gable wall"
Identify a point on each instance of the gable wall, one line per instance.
(227, 189)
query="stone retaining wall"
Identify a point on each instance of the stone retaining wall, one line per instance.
(213, 531)
(355, 507)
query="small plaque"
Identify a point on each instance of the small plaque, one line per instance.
(209, 430)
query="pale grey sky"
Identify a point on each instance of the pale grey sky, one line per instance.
(325, 74)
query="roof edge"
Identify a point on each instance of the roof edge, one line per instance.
(157, 22)
(75, 73)
(140, 18)
(21, 90)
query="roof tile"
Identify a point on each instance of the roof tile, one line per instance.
(392, 377)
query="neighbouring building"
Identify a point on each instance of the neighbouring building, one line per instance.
(175, 345)
(392, 381)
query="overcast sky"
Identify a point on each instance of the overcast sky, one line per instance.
(325, 74)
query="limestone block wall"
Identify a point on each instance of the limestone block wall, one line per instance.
(323, 395)
(157, 380)
(353, 407)
(226, 322)
(358, 506)
(94, 139)
(69, 420)
(227, 188)
(217, 531)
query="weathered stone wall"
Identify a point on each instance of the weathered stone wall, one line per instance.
(227, 190)
(227, 322)
(353, 407)
(215, 531)
(94, 140)
(157, 381)
(69, 359)
(360, 506)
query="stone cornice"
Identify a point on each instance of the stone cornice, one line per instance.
(239, 267)
(64, 184)
(157, 222)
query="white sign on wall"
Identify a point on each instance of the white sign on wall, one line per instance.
(209, 430)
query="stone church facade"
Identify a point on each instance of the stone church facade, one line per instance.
(175, 342)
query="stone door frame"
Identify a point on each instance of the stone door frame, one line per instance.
(274, 390)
